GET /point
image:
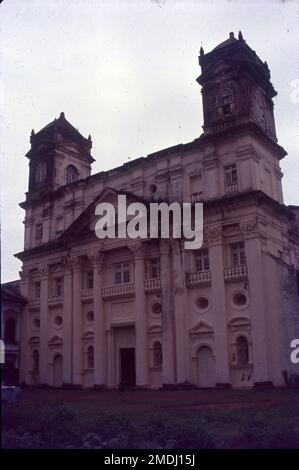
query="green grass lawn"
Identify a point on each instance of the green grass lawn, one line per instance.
(179, 419)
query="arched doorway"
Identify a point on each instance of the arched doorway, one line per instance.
(10, 331)
(57, 371)
(205, 367)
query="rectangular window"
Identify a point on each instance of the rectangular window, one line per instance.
(59, 286)
(155, 268)
(202, 262)
(238, 254)
(230, 175)
(37, 290)
(38, 232)
(196, 188)
(121, 273)
(90, 280)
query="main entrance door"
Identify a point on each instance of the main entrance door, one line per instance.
(127, 367)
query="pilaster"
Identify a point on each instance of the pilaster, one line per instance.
(44, 326)
(168, 366)
(141, 351)
(99, 321)
(214, 237)
(256, 276)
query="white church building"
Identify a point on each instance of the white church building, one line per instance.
(149, 313)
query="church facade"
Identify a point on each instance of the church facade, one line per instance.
(148, 313)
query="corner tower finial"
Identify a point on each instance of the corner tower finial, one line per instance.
(240, 36)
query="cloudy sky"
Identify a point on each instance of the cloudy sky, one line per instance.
(125, 73)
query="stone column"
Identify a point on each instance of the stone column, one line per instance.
(168, 366)
(44, 370)
(28, 223)
(110, 359)
(179, 295)
(141, 351)
(99, 322)
(77, 323)
(256, 280)
(67, 322)
(25, 352)
(218, 298)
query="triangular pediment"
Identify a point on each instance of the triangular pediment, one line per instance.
(55, 341)
(201, 327)
(84, 226)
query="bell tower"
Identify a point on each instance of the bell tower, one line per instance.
(59, 155)
(236, 88)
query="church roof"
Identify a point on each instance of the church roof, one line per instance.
(60, 125)
(227, 42)
(10, 291)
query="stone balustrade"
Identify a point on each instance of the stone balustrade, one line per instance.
(235, 272)
(86, 295)
(55, 300)
(231, 188)
(34, 303)
(152, 285)
(126, 289)
(197, 278)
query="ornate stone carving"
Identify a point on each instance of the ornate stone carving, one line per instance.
(47, 212)
(28, 221)
(97, 259)
(43, 270)
(136, 247)
(213, 234)
(77, 263)
(164, 247)
(24, 274)
(250, 227)
(67, 263)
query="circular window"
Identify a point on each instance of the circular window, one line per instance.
(36, 323)
(156, 308)
(90, 316)
(202, 303)
(58, 320)
(153, 188)
(240, 299)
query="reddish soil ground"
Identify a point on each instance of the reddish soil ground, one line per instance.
(189, 399)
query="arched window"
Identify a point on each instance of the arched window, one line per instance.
(90, 357)
(40, 172)
(157, 354)
(10, 331)
(242, 350)
(71, 174)
(36, 361)
(225, 100)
